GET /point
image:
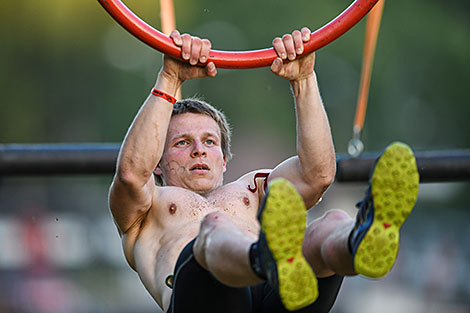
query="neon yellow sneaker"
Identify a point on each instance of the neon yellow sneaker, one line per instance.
(283, 220)
(392, 194)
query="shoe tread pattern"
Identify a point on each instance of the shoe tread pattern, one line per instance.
(394, 184)
(283, 221)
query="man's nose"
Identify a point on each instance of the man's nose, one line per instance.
(198, 149)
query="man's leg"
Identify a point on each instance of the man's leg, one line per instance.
(335, 244)
(326, 244)
(233, 258)
(196, 290)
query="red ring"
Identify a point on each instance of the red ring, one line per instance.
(236, 59)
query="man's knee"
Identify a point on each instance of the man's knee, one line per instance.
(212, 220)
(332, 216)
(336, 215)
(213, 216)
(209, 223)
(330, 220)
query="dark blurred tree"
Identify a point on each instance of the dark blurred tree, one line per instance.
(70, 73)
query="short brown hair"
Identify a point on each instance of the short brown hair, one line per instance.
(199, 106)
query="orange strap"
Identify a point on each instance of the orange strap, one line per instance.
(167, 16)
(372, 31)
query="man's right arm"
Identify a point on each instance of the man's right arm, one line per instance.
(133, 186)
(133, 189)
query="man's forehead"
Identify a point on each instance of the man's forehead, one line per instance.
(192, 123)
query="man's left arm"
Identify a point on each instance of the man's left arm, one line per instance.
(314, 168)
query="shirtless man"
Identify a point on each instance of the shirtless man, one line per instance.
(201, 246)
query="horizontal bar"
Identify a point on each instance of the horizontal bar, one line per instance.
(100, 158)
(58, 159)
(433, 166)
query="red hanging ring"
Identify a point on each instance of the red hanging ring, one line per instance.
(237, 59)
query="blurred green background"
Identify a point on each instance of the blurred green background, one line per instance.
(69, 73)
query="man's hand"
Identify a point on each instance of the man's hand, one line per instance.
(194, 50)
(288, 48)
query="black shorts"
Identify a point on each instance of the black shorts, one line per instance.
(195, 290)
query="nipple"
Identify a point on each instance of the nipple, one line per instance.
(172, 208)
(246, 201)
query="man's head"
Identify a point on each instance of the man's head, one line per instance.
(198, 134)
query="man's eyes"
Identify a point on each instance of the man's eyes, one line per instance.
(209, 142)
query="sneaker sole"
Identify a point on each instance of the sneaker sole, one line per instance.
(283, 222)
(395, 183)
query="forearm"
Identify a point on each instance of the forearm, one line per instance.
(314, 141)
(145, 140)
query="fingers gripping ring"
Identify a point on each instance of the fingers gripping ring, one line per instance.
(237, 59)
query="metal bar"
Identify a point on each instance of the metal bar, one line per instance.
(55, 159)
(100, 158)
(433, 166)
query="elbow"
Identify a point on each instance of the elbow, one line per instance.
(328, 172)
(317, 181)
(322, 178)
(330, 175)
(124, 178)
(128, 177)
(326, 178)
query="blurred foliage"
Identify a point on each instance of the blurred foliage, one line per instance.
(69, 73)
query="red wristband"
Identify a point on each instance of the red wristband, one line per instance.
(163, 95)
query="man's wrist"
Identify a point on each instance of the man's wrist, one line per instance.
(163, 95)
(168, 83)
(303, 84)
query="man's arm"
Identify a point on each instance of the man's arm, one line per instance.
(314, 167)
(133, 189)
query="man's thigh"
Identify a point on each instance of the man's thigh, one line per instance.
(196, 290)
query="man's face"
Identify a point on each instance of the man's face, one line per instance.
(193, 157)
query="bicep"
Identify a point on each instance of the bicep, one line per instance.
(130, 202)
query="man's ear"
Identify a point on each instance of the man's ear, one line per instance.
(225, 165)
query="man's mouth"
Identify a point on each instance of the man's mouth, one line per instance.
(199, 167)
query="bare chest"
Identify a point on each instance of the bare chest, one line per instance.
(235, 201)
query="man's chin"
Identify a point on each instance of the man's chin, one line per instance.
(202, 186)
